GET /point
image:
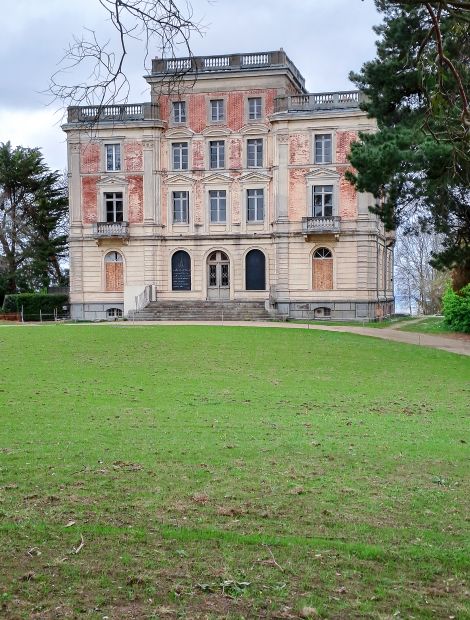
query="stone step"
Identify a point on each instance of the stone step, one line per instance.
(202, 311)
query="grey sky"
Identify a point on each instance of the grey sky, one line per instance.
(324, 38)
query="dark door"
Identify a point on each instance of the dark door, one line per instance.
(181, 271)
(255, 266)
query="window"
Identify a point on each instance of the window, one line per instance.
(179, 155)
(255, 271)
(323, 148)
(218, 206)
(114, 206)
(180, 207)
(114, 273)
(113, 157)
(181, 271)
(322, 200)
(217, 110)
(254, 153)
(254, 108)
(321, 313)
(322, 269)
(113, 313)
(179, 111)
(217, 154)
(255, 205)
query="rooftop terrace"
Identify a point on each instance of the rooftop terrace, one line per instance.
(196, 65)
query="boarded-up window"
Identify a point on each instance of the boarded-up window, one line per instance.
(323, 269)
(114, 272)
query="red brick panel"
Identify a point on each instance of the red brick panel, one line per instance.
(323, 274)
(343, 145)
(297, 194)
(347, 199)
(299, 148)
(136, 199)
(198, 154)
(89, 199)
(133, 156)
(90, 157)
(235, 153)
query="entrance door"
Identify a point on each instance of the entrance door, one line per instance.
(218, 276)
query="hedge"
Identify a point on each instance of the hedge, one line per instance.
(456, 309)
(32, 303)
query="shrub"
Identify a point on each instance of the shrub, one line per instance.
(32, 303)
(456, 308)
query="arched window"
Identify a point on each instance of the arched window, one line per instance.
(322, 269)
(114, 272)
(255, 271)
(113, 313)
(181, 271)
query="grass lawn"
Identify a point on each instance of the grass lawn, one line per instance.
(210, 472)
(431, 325)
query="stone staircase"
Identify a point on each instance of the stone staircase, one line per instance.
(202, 311)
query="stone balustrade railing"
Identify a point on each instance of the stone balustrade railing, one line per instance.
(318, 225)
(120, 112)
(319, 101)
(103, 230)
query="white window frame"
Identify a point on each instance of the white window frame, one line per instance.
(176, 113)
(114, 149)
(220, 110)
(180, 145)
(220, 146)
(257, 163)
(323, 190)
(262, 194)
(258, 113)
(183, 221)
(218, 199)
(319, 136)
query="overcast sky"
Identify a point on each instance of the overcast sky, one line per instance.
(324, 38)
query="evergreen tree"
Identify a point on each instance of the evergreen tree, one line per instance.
(33, 213)
(417, 165)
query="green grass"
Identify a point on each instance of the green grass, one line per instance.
(431, 325)
(232, 472)
(374, 324)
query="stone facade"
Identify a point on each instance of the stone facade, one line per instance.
(229, 185)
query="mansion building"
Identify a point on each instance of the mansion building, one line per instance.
(226, 191)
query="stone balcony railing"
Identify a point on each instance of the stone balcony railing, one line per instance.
(112, 113)
(319, 101)
(105, 230)
(319, 225)
(163, 67)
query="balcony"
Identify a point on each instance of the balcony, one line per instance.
(313, 102)
(320, 225)
(111, 230)
(113, 113)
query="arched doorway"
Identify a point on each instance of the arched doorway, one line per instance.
(181, 271)
(323, 269)
(114, 272)
(218, 276)
(255, 271)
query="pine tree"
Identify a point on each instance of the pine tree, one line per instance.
(417, 165)
(33, 212)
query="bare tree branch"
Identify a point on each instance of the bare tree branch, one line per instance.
(164, 27)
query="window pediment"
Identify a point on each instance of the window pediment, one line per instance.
(112, 181)
(217, 177)
(179, 132)
(323, 174)
(178, 179)
(216, 132)
(254, 129)
(255, 177)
